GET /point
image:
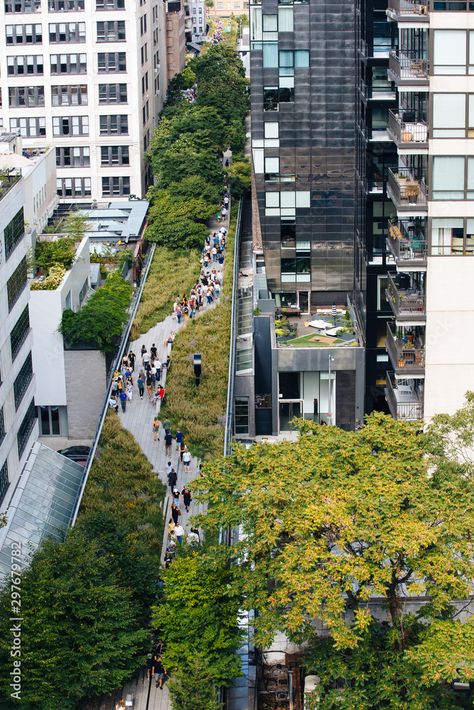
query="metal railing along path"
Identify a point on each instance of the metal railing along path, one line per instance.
(122, 347)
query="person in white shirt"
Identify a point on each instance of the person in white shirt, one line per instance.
(178, 532)
(186, 458)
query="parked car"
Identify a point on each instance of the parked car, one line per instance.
(79, 454)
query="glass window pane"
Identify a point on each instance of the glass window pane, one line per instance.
(449, 51)
(285, 19)
(270, 23)
(449, 110)
(301, 58)
(286, 58)
(55, 420)
(270, 55)
(448, 177)
(44, 415)
(272, 165)
(271, 129)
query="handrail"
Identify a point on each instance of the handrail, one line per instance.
(122, 347)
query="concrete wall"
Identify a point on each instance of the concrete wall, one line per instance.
(449, 358)
(175, 42)
(86, 378)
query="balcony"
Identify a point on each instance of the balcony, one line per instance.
(408, 304)
(406, 352)
(407, 192)
(408, 69)
(8, 178)
(406, 242)
(408, 11)
(410, 136)
(405, 401)
(379, 92)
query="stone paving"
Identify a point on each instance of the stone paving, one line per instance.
(138, 419)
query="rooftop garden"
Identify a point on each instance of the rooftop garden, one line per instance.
(52, 258)
(340, 332)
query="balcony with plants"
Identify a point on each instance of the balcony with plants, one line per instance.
(406, 241)
(406, 296)
(408, 67)
(407, 189)
(406, 349)
(408, 131)
(408, 11)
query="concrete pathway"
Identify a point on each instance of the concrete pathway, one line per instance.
(138, 419)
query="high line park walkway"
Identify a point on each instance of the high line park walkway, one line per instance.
(138, 419)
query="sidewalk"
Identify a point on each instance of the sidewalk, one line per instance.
(138, 419)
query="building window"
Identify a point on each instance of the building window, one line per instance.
(64, 95)
(71, 126)
(2, 425)
(110, 5)
(111, 31)
(29, 127)
(77, 157)
(275, 95)
(22, 6)
(73, 187)
(67, 32)
(111, 62)
(241, 415)
(24, 34)
(113, 125)
(27, 96)
(23, 380)
(114, 155)
(83, 291)
(451, 179)
(19, 333)
(25, 65)
(26, 427)
(297, 270)
(68, 64)
(112, 93)
(452, 236)
(14, 233)
(115, 186)
(49, 421)
(65, 5)
(288, 235)
(17, 283)
(4, 482)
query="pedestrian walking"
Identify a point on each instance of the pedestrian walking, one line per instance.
(186, 493)
(129, 391)
(171, 526)
(178, 532)
(158, 370)
(193, 537)
(141, 386)
(146, 358)
(161, 392)
(149, 386)
(182, 449)
(168, 442)
(159, 673)
(123, 400)
(176, 497)
(153, 351)
(175, 513)
(167, 425)
(113, 404)
(131, 360)
(156, 429)
(172, 478)
(186, 458)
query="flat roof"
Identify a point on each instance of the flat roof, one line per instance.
(120, 220)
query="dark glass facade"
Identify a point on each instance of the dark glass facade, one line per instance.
(303, 78)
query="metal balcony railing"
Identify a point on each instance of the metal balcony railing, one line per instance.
(407, 134)
(406, 302)
(408, 67)
(406, 190)
(407, 246)
(406, 352)
(412, 9)
(404, 400)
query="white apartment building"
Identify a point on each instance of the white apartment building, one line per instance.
(431, 343)
(89, 77)
(197, 10)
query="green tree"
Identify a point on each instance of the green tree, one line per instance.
(192, 687)
(185, 158)
(75, 225)
(239, 177)
(198, 617)
(61, 252)
(195, 187)
(338, 518)
(80, 636)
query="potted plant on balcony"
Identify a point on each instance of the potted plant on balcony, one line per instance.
(412, 190)
(394, 231)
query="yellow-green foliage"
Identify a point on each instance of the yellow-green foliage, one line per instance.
(171, 274)
(52, 281)
(200, 411)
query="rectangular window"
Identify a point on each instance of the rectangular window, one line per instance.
(23, 380)
(26, 427)
(111, 62)
(112, 93)
(14, 233)
(110, 5)
(73, 187)
(288, 235)
(19, 333)
(23, 34)
(449, 115)
(29, 127)
(449, 52)
(114, 155)
(275, 95)
(65, 5)
(270, 55)
(67, 32)
(49, 421)
(115, 186)
(285, 19)
(31, 64)
(448, 178)
(241, 415)
(4, 482)
(70, 125)
(22, 6)
(111, 31)
(447, 236)
(77, 157)
(27, 96)
(68, 64)
(17, 283)
(73, 95)
(113, 125)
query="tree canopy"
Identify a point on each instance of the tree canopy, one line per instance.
(347, 528)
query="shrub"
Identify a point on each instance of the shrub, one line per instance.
(53, 280)
(61, 251)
